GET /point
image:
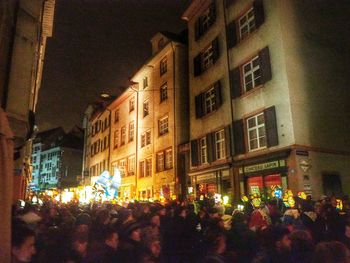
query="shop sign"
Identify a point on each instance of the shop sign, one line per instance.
(262, 166)
(205, 177)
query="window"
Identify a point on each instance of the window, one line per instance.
(163, 92)
(116, 115)
(220, 145)
(206, 58)
(169, 159)
(203, 150)
(251, 74)
(161, 43)
(163, 66)
(131, 165)
(145, 138)
(204, 22)
(256, 132)
(163, 125)
(131, 131)
(131, 104)
(210, 100)
(145, 108)
(123, 135)
(122, 167)
(246, 23)
(116, 138)
(254, 73)
(146, 167)
(145, 82)
(160, 161)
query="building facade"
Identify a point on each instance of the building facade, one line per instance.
(284, 129)
(57, 160)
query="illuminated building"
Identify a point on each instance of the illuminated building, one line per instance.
(284, 95)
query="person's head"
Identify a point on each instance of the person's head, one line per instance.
(216, 240)
(23, 243)
(132, 230)
(83, 222)
(347, 229)
(278, 237)
(111, 238)
(331, 252)
(155, 220)
(103, 217)
(80, 243)
(181, 211)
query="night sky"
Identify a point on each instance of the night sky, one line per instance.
(96, 46)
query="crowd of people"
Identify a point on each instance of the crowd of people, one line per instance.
(183, 232)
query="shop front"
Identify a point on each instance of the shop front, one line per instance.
(208, 184)
(264, 179)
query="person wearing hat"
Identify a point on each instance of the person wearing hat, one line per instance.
(130, 245)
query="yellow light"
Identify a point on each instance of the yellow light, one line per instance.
(225, 199)
(173, 197)
(67, 196)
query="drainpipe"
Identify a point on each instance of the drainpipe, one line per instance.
(235, 188)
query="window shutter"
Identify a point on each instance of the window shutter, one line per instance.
(218, 97)
(228, 140)
(271, 126)
(197, 29)
(238, 134)
(215, 45)
(229, 2)
(211, 147)
(264, 58)
(231, 34)
(199, 106)
(194, 152)
(235, 82)
(197, 65)
(212, 13)
(259, 14)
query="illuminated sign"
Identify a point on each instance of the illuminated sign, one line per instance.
(107, 186)
(262, 166)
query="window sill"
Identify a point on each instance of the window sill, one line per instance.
(253, 90)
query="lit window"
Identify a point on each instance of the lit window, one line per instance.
(131, 165)
(246, 23)
(122, 167)
(123, 136)
(251, 74)
(163, 92)
(131, 105)
(145, 108)
(169, 159)
(146, 167)
(163, 125)
(203, 150)
(131, 131)
(163, 66)
(210, 100)
(116, 138)
(145, 138)
(160, 161)
(256, 132)
(207, 57)
(220, 144)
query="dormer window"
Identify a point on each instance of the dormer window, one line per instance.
(161, 43)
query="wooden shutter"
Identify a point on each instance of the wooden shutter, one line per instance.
(211, 147)
(228, 140)
(199, 106)
(218, 97)
(231, 34)
(235, 82)
(265, 65)
(271, 126)
(197, 65)
(259, 14)
(197, 25)
(194, 153)
(212, 13)
(238, 135)
(229, 2)
(215, 45)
